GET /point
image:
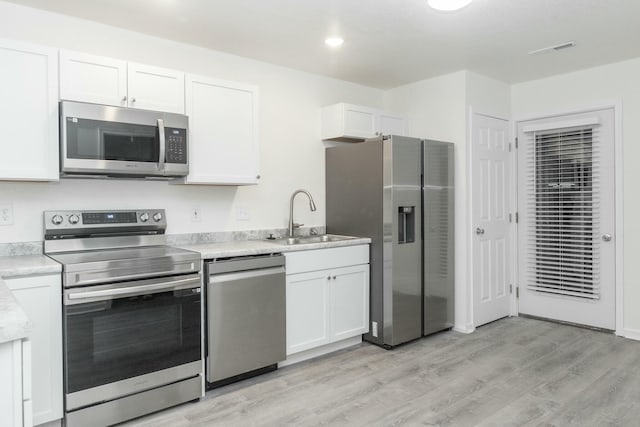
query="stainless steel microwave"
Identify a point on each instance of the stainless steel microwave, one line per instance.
(105, 141)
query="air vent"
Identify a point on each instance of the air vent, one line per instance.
(557, 47)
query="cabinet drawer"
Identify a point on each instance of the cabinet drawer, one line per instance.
(322, 259)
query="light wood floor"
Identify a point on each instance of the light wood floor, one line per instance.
(512, 372)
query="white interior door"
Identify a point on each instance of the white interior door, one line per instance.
(491, 201)
(566, 200)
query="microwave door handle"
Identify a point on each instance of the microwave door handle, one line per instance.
(161, 158)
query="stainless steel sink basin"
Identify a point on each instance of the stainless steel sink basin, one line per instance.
(301, 240)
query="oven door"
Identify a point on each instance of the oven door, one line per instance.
(128, 337)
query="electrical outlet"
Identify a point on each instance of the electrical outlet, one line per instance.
(374, 329)
(195, 214)
(6, 214)
(242, 214)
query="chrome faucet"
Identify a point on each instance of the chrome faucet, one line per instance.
(312, 206)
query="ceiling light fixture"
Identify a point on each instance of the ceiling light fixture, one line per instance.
(334, 41)
(448, 5)
(556, 47)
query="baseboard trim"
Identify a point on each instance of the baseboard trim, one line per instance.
(320, 351)
(465, 329)
(632, 334)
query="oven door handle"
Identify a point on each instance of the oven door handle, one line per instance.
(105, 294)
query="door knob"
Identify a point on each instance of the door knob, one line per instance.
(606, 237)
(479, 231)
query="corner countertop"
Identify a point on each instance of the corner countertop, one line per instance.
(259, 247)
(26, 265)
(14, 323)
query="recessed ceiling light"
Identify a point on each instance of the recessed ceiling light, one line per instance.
(334, 41)
(448, 5)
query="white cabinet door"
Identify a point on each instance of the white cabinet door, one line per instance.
(154, 88)
(41, 299)
(307, 311)
(94, 79)
(349, 291)
(347, 122)
(392, 124)
(353, 123)
(108, 81)
(359, 122)
(223, 132)
(29, 112)
(11, 394)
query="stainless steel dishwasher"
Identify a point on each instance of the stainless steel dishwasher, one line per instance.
(245, 317)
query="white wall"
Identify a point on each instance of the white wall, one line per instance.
(601, 86)
(488, 96)
(292, 155)
(436, 109)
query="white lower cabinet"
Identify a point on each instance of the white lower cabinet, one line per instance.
(41, 299)
(327, 296)
(15, 387)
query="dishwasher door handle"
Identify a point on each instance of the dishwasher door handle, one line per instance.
(242, 275)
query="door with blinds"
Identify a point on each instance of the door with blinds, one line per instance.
(566, 253)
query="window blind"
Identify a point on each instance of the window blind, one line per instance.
(562, 211)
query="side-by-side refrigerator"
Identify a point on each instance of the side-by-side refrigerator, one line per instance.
(399, 192)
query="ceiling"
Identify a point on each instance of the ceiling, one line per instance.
(388, 43)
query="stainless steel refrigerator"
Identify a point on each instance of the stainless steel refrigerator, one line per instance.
(399, 192)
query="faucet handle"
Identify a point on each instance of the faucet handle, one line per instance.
(297, 225)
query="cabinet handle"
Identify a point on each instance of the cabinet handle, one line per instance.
(133, 100)
(124, 98)
(328, 277)
(334, 277)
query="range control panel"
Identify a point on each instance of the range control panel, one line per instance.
(61, 220)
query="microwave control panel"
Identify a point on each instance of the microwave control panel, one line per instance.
(176, 145)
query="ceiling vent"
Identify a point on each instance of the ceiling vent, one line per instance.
(557, 47)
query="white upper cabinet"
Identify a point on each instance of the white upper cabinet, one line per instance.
(94, 79)
(108, 81)
(392, 124)
(223, 132)
(354, 123)
(29, 114)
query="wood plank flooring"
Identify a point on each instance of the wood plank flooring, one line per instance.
(512, 372)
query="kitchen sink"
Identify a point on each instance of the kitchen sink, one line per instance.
(301, 240)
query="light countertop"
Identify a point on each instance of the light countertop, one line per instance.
(14, 323)
(259, 247)
(26, 265)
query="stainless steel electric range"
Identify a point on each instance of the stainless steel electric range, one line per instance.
(132, 315)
